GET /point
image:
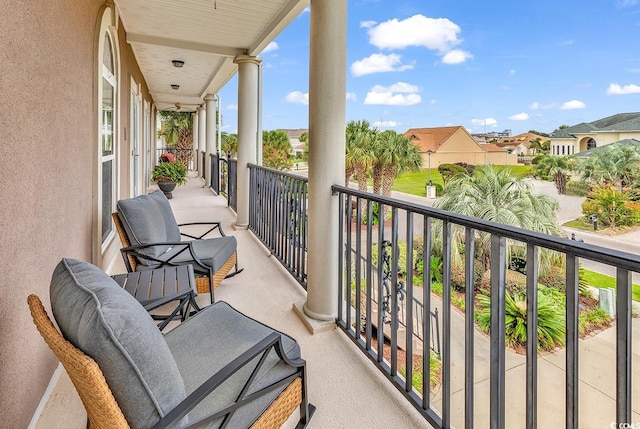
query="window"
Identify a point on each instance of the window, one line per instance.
(106, 181)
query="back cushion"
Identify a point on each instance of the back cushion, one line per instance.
(149, 219)
(108, 324)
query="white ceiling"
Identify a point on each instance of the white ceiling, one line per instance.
(205, 34)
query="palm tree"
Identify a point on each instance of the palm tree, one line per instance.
(177, 130)
(229, 143)
(557, 167)
(396, 155)
(497, 196)
(360, 138)
(616, 164)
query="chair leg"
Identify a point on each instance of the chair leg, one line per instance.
(306, 409)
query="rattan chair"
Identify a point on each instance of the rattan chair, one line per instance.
(140, 254)
(104, 412)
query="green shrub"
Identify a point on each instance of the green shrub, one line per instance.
(439, 189)
(450, 171)
(551, 326)
(613, 206)
(515, 282)
(577, 188)
(555, 278)
(592, 319)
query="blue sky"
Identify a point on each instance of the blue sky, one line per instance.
(483, 65)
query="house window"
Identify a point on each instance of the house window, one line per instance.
(591, 144)
(107, 148)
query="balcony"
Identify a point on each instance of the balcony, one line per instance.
(482, 383)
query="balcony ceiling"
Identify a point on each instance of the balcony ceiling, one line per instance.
(205, 34)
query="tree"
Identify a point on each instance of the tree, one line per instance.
(394, 155)
(177, 130)
(360, 139)
(276, 150)
(540, 147)
(616, 164)
(539, 133)
(497, 196)
(557, 167)
(229, 143)
(304, 138)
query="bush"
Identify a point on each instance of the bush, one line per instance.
(439, 189)
(555, 278)
(458, 276)
(612, 205)
(469, 167)
(450, 171)
(577, 188)
(551, 326)
(515, 282)
(536, 159)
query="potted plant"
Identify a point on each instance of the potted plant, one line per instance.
(168, 175)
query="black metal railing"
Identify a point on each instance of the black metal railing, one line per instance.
(278, 217)
(232, 183)
(366, 223)
(203, 162)
(214, 183)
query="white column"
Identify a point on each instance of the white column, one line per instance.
(247, 130)
(210, 146)
(327, 118)
(202, 139)
(195, 133)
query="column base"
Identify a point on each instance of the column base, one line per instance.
(313, 324)
(237, 227)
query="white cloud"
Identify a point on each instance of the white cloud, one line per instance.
(367, 24)
(377, 63)
(432, 101)
(519, 117)
(512, 72)
(273, 46)
(298, 97)
(488, 122)
(616, 89)
(625, 3)
(572, 105)
(232, 107)
(398, 94)
(535, 106)
(385, 124)
(438, 34)
(397, 87)
(565, 43)
(456, 56)
(351, 96)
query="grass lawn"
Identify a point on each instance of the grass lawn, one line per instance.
(578, 224)
(600, 281)
(414, 182)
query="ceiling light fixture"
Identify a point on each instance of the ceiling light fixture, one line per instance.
(175, 86)
(177, 63)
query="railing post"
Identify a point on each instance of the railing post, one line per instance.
(623, 346)
(497, 340)
(572, 343)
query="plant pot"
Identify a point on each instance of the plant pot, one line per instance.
(166, 187)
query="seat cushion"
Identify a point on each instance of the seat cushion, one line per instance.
(213, 252)
(214, 337)
(108, 324)
(149, 219)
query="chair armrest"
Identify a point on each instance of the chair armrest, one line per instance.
(273, 340)
(215, 225)
(186, 245)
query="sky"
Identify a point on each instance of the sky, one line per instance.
(487, 66)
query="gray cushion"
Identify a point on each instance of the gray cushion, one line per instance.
(213, 252)
(149, 219)
(108, 324)
(211, 339)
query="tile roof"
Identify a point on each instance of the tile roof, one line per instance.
(430, 138)
(618, 122)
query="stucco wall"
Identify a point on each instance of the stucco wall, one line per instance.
(46, 159)
(48, 116)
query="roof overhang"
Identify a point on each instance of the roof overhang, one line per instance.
(206, 35)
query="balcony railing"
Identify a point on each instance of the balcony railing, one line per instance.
(278, 217)
(378, 314)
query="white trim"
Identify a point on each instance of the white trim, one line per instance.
(45, 397)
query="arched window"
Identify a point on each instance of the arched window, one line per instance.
(591, 144)
(106, 179)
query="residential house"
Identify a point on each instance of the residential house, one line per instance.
(297, 147)
(448, 145)
(521, 143)
(590, 135)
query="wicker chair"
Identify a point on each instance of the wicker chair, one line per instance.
(255, 391)
(151, 238)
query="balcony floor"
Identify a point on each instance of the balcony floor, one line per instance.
(344, 386)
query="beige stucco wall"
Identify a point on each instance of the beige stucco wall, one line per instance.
(49, 144)
(602, 139)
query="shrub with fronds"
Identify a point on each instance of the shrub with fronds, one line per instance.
(551, 325)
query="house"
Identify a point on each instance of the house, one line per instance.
(297, 147)
(521, 143)
(590, 135)
(626, 142)
(82, 82)
(448, 145)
